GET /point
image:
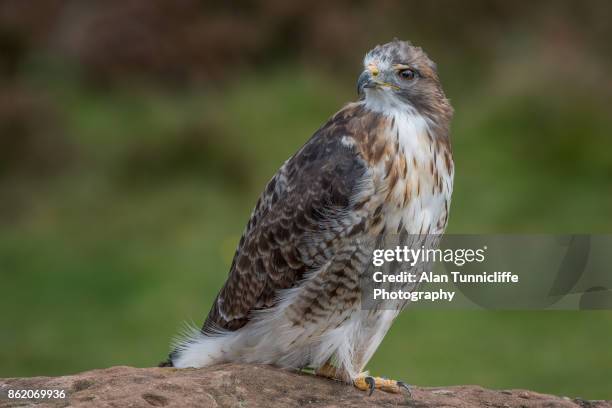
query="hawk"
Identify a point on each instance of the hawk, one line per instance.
(381, 165)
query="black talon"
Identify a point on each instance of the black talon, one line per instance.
(371, 383)
(406, 386)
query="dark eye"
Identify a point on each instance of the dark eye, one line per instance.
(407, 74)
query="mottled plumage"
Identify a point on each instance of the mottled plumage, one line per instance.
(380, 166)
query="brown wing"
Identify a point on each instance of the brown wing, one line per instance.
(302, 210)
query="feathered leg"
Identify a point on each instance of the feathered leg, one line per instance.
(375, 326)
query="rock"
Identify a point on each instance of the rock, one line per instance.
(233, 385)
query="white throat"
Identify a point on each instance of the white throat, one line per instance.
(410, 127)
(383, 101)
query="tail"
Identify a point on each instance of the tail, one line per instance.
(193, 348)
(167, 363)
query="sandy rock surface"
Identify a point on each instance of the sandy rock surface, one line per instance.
(234, 385)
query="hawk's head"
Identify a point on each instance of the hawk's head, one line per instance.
(399, 75)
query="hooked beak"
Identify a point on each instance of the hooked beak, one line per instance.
(370, 79)
(365, 81)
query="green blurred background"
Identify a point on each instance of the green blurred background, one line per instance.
(135, 137)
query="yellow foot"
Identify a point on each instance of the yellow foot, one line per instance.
(366, 383)
(327, 370)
